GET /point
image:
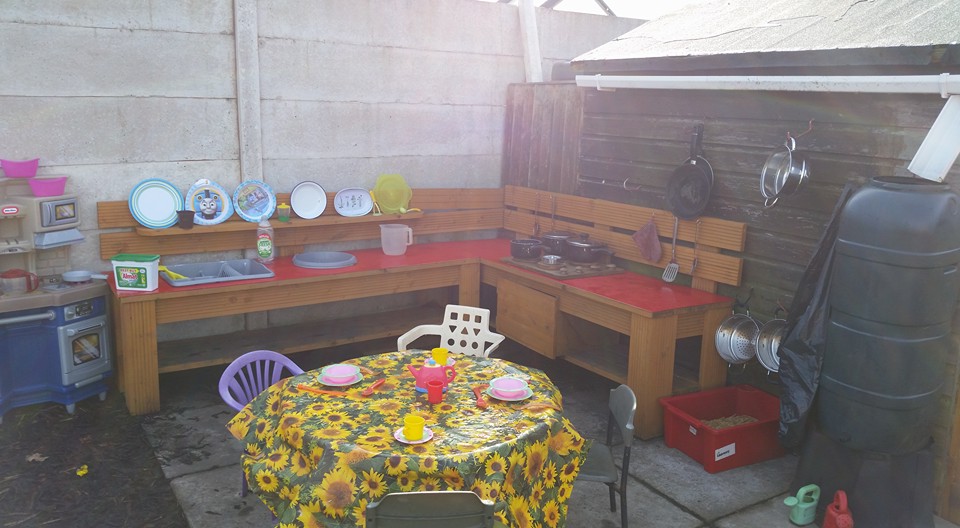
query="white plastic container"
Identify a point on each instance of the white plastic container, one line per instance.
(394, 238)
(136, 272)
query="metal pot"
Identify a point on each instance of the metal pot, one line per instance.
(526, 249)
(586, 252)
(783, 173)
(736, 338)
(768, 343)
(555, 242)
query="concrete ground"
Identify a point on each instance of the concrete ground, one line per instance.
(666, 488)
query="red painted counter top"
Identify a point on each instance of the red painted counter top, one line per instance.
(631, 289)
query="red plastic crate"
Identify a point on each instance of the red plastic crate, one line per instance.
(722, 449)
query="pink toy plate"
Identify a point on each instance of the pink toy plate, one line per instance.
(341, 384)
(526, 394)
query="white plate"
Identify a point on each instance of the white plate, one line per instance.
(427, 435)
(342, 383)
(212, 204)
(308, 200)
(253, 200)
(353, 201)
(494, 394)
(155, 202)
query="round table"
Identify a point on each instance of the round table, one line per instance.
(318, 458)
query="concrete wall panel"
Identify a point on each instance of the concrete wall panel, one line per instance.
(338, 173)
(464, 26)
(191, 16)
(85, 130)
(57, 61)
(305, 129)
(320, 71)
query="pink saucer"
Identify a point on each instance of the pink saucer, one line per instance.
(329, 383)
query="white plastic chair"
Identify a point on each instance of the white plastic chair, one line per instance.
(465, 330)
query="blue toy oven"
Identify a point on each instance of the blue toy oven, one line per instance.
(54, 353)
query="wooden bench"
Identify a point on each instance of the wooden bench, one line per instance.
(583, 320)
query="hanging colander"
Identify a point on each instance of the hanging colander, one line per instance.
(393, 194)
(736, 338)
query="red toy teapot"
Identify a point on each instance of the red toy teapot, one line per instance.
(837, 514)
(431, 371)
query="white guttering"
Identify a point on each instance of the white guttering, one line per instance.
(933, 159)
(532, 58)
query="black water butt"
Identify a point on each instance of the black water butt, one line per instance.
(892, 297)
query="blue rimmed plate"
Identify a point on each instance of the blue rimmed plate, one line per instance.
(154, 203)
(253, 200)
(211, 203)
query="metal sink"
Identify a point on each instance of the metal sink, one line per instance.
(217, 271)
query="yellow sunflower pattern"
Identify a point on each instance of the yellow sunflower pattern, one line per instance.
(319, 459)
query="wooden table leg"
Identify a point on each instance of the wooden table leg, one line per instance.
(650, 369)
(713, 370)
(137, 354)
(470, 284)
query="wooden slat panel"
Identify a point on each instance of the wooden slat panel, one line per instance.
(116, 214)
(200, 240)
(716, 232)
(710, 265)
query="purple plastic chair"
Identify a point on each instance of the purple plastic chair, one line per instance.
(249, 375)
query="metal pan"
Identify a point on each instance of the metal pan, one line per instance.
(80, 276)
(689, 188)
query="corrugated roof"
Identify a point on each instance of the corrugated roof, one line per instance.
(927, 30)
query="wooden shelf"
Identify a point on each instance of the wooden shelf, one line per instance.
(186, 354)
(611, 363)
(239, 225)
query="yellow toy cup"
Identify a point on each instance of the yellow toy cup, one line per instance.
(413, 427)
(440, 355)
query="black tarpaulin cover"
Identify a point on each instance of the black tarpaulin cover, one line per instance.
(801, 352)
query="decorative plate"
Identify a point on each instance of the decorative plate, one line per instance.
(253, 200)
(494, 394)
(427, 436)
(154, 203)
(342, 383)
(212, 204)
(353, 201)
(308, 200)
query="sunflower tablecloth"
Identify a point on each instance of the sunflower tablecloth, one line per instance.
(317, 460)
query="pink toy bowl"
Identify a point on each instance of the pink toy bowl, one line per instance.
(508, 387)
(20, 169)
(339, 373)
(48, 186)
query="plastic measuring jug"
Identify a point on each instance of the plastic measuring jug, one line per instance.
(394, 238)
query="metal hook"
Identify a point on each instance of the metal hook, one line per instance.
(809, 129)
(637, 188)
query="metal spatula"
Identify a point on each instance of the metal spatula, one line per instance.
(670, 272)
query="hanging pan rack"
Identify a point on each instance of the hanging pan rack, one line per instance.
(609, 183)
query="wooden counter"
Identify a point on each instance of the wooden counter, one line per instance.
(653, 314)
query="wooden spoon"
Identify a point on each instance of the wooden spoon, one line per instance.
(481, 403)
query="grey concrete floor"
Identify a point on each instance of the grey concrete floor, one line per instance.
(666, 488)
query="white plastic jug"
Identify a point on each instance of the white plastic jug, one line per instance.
(394, 238)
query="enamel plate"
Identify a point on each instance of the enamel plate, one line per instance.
(212, 204)
(308, 200)
(154, 203)
(427, 435)
(353, 201)
(253, 200)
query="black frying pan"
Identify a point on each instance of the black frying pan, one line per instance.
(688, 190)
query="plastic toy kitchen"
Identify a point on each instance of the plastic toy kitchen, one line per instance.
(54, 334)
